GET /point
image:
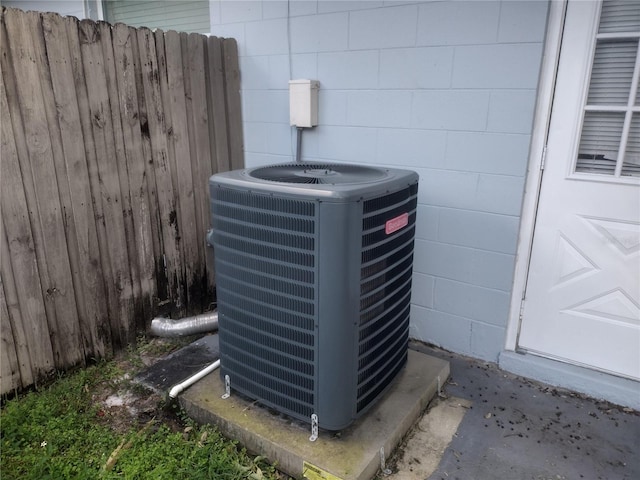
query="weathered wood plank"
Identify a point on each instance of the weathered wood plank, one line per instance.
(201, 161)
(153, 213)
(132, 174)
(163, 69)
(234, 107)
(191, 130)
(74, 183)
(30, 328)
(167, 262)
(216, 104)
(16, 362)
(180, 136)
(190, 52)
(68, 335)
(26, 332)
(106, 300)
(24, 164)
(92, 39)
(199, 130)
(115, 98)
(27, 53)
(9, 370)
(174, 223)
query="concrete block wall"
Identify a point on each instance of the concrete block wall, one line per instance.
(446, 88)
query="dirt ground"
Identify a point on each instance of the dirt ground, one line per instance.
(125, 404)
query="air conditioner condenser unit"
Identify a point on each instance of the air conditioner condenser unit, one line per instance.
(313, 270)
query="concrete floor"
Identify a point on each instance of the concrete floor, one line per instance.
(519, 429)
(489, 424)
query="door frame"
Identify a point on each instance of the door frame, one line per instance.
(597, 384)
(537, 151)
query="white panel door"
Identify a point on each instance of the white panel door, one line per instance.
(582, 301)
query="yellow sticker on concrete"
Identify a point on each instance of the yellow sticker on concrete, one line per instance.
(311, 472)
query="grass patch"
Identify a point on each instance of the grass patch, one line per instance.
(63, 432)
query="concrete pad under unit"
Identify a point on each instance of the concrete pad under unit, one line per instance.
(352, 454)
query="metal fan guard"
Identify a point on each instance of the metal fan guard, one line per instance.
(318, 173)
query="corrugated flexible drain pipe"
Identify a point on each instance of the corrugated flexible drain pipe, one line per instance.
(165, 327)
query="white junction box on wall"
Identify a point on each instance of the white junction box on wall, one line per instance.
(303, 102)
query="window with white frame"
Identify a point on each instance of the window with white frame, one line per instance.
(610, 140)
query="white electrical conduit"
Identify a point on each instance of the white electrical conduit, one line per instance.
(180, 387)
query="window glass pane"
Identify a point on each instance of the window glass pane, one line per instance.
(620, 16)
(612, 72)
(600, 142)
(631, 164)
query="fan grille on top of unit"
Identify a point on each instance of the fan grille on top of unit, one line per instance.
(326, 174)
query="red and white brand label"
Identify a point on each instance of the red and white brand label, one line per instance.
(396, 224)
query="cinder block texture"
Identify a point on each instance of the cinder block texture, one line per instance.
(452, 110)
(449, 331)
(468, 265)
(478, 230)
(484, 152)
(427, 223)
(511, 111)
(274, 9)
(246, 11)
(497, 66)
(522, 21)
(470, 301)
(383, 27)
(320, 33)
(416, 68)
(349, 70)
(485, 340)
(347, 144)
(446, 88)
(304, 65)
(379, 108)
(422, 286)
(412, 148)
(458, 23)
(332, 107)
(268, 106)
(268, 37)
(348, 5)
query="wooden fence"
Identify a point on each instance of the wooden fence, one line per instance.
(109, 135)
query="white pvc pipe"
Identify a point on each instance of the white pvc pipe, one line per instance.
(180, 387)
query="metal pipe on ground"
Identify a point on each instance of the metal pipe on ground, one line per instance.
(165, 327)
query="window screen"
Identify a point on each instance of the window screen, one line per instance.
(610, 139)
